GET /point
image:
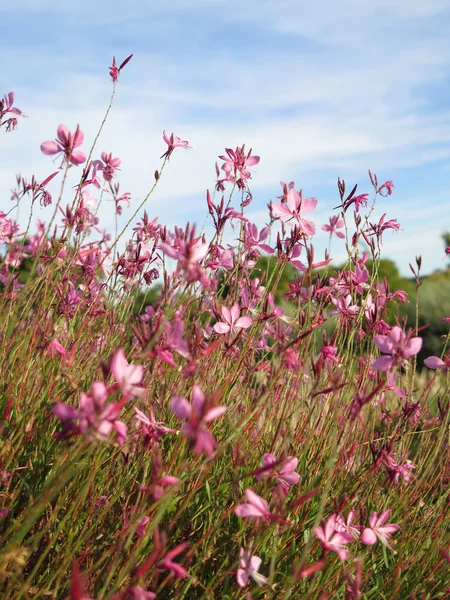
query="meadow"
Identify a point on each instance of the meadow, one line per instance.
(216, 442)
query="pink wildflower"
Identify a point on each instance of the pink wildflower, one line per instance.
(378, 530)
(65, 144)
(236, 163)
(388, 186)
(331, 538)
(336, 223)
(249, 566)
(197, 415)
(6, 106)
(434, 362)
(232, 320)
(173, 142)
(294, 208)
(282, 470)
(257, 507)
(168, 564)
(127, 375)
(396, 347)
(114, 70)
(108, 165)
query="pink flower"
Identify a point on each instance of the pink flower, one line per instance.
(232, 320)
(127, 375)
(108, 165)
(344, 306)
(294, 208)
(336, 222)
(249, 566)
(397, 347)
(254, 238)
(388, 186)
(283, 470)
(6, 106)
(114, 70)
(346, 524)
(167, 562)
(65, 144)
(378, 530)
(257, 507)
(331, 538)
(197, 415)
(236, 163)
(173, 142)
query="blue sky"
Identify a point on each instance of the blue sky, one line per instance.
(318, 90)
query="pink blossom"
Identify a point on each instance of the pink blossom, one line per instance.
(255, 239)
(232, 320)
(344, 306)
(168, 564)
(331, 538)
(65, 144)
(7, 106)
(197, 415)
(282, 470)
(388, 186)
(257, 507)
(434, 362)
(346, 524)
(249, 566)
(173, 142)
(396, 347)
(294, 208)
(114, 70)
(236, 163)
(108, 165)
(336, 222)
(128, 376)
(378, 530)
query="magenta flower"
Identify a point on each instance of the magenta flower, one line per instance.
(336, 222)
(378, 530)
(197, 415)
(344, 307)
(346, 524)
(126, 375)
(331, 538)
(257, 507)
(232, 320)
(236, 163)
(255, 239)
(173, 142)
(397, 346)
(6, 106)
(114, 70)
(388, 186)
(249, 566)
(93, 417)
(282, 470)
(294, 208)
(108, 165)
(167, 562)
(65, 144)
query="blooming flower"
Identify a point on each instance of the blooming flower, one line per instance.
(114, 70)
(108, 165)
(232, 320)
(126, 375)
(65, 144)
(249, 566)
(336, 222)
(256, 508)
(236, 163)
(396, 347)
(197, 415)
(6, 106)
(378, 530)
(332, 538)
(173, 142)
(283, 470)
(388, 186)
(294, 208)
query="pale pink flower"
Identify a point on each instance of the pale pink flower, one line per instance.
(283, 470)
(173, 142)
(197, 415)
(65, 144)
(128, 376)
(344, 306)
(108, 165)
(232, 320)
(257, 507)
(396, 347)
(434, 362)
(7, 106)
(236, 163)
(294, 208)
(249, 566)
(331, 538)
(336, 223)
(378, 530)
(346, 524)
